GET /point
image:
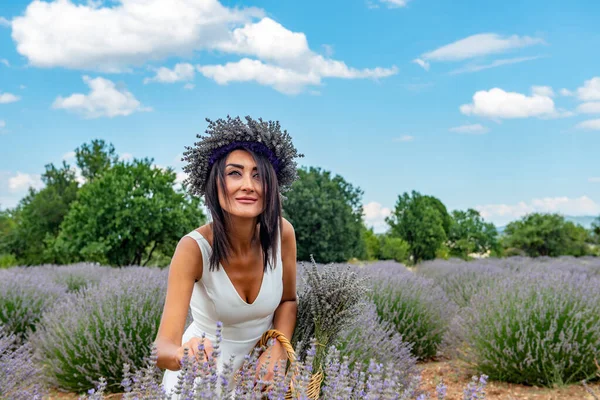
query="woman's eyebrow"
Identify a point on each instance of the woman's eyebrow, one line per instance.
(238, 166)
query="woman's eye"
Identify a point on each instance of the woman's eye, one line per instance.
(256, 176)
(233, 172)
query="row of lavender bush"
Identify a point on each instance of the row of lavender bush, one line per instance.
(542, 314)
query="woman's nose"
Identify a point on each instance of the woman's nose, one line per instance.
(247, 182)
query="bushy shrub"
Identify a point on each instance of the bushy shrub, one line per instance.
(371, 338)
(79, 276)
(539, 328)
(459, 279)
(416, 306)
(8, 260)
(92, 333)
(25, 294)
(20, 378)
(394, 248)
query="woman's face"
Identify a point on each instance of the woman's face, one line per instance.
(244, 197)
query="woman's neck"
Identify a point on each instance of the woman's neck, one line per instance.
(243, 234)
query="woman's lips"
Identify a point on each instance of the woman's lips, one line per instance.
(246, 201)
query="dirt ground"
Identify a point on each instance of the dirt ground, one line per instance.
(456, 377)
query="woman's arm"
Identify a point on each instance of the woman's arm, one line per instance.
(284, 319)
(186, 267)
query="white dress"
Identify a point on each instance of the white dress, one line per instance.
(214, 298)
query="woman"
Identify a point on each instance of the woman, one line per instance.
(241, 268)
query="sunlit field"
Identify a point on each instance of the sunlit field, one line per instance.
(526, 328)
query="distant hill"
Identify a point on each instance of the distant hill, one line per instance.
(585, 221)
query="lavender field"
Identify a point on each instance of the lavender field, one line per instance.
(88, 329)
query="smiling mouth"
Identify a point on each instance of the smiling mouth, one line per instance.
(246, 201)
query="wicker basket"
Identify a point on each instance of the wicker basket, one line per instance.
(314, 386)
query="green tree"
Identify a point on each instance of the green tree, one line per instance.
(372, 243)
(469, 233)
(95, 158)
(595, 231)
(37, 217)
(422, 221)
(393, 248)
(126, 215)
(538, 234)
(326, 212)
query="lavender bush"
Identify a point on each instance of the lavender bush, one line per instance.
(370, 338)
(20, 378)
(460, 279)
(537, 328)
(80, 276)
(25, 294)
(416, 306)
(92, 333)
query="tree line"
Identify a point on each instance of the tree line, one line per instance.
(129, 213)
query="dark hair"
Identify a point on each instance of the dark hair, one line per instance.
(269, 219)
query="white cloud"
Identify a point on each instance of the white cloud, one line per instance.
(291, 64)
(22, 181)
(590, 90)
(189, 86)
(104, 100)
(68, 156)
(2, 124)
(134, 32)
(246, 70)
(503, 213)
(8, 98)
(405, 138)
(424, 64)
(566, 92)
(594, 179)
(5, 62)
(112, 39)
(395, 3)
(542, 91)
(589, 108)
(375, 215)
(591, 124)
(497, 103)
(473, 129)
(494, 64)
(4, 22)
(287, 80)
(180, 73)
(482, 44)
(267, 40)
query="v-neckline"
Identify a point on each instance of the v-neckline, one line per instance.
(260, 290)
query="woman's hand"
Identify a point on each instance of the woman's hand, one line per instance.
(278, 357)
(194, 352)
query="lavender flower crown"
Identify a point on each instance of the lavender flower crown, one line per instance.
(265, 138)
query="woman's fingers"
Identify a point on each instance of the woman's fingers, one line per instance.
(208, 348)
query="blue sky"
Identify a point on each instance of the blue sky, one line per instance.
(486, 105)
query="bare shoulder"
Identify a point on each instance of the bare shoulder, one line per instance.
(287, 232)
(188, 257)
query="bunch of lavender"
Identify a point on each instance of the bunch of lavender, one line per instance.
(371, 338)
(19, 377)
(92, 333)
(417, 307)
(329, 302)
(535, 328)
(25, 294)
